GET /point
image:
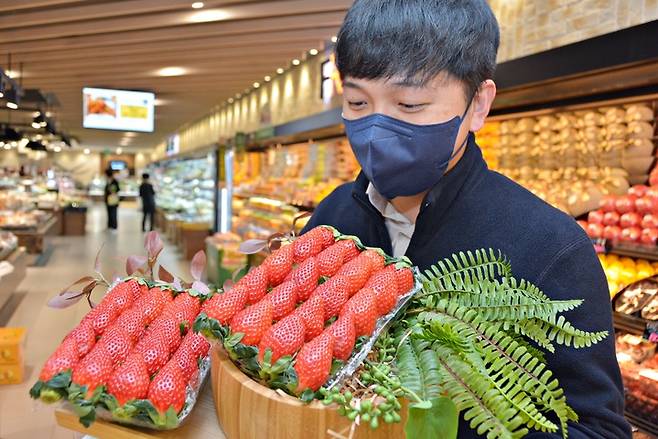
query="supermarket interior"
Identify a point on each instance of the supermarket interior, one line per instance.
(233, 110)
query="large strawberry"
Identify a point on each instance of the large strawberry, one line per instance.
(196, 343)
(133, 321)
(331, 259)
(405, 280)
(255, 282)
(169, 327)
(151, 304)
(184, 308)
(253, 322)
(186, 361)
(351, 250)
(357, 272)
(283, 299)
(102, 316)
(154, 349)
(284, 338)
(363, 308)
(376, 258)
(84, 336)
(167, 390)
(309, 244)
(279, 264)
(65, 357)
(312, 314)
(136, 288)
(121, 297)
(305, 277)
(130, 380)
(326, 236)
(223, 307)
(385, 286)
(344, 336)
(334, 293)
(313, 362)
(117, 342)
(94, 369)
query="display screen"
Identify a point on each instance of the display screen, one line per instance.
(122, 110)
(118, 165)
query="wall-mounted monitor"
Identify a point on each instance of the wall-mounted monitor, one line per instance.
(121, 110)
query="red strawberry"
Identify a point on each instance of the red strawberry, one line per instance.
(167, 390)
(133, 321)
(65, 357)
(363, 308)
(94, 369)
(313, 363)
(184, 308)
(308, 245)
(385, 286)
(121, 297)
(334, 293)
(130, 380)
(378, 261)
(312, 314)
(283, 299)
(305, 277)
(151, 304)
(357, 273)
(344, 336)
(253, 322)
(136, 288)
(331, 259)
(255, 283)
(196, 343)
(154, 349)
(279, 264)
(326, 236)
(84, 336)
(351, 250)
(223, 307)
(186, 362)
(102, 316)
(117, 342)
(284, 338)
(169, 328)
(405, 280)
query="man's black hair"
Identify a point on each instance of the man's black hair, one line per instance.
(109, 172)
(416, 40)
(145, 176)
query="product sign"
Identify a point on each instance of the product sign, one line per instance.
(173, 145)
(122, 110)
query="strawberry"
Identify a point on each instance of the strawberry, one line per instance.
(102, 316)
(167, 390)
(283, 299)
(405, 280)
(186, 361)
(184, 308)
(253, 322)
(255, 283)
(326, 236)
(117, 342)
(94, 369)
(278, 265)
(331, 259)
(305, 277)
(308, 245)
(136, 288)
(312, 314)
(151, 304)
(313, 362)
(223, 307)
(363, 308)
(169, 328)
(385, 286)
(196, 343)
(154, 349)
(351, 250)
(378, 261)
(130, 380)
(65, 357)
(344, 336)
(334, 293)
(84, 337)
(284, 338)
(357, 273)
(133, 321)
(121, 297)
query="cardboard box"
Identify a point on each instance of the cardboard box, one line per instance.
(11, 346)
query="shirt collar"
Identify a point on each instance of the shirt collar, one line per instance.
(385, 207)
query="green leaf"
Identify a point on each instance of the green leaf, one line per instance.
(35, 391)
(171, 419)
(60, 381)
(307, 396)
(435, 419)
(88, 419)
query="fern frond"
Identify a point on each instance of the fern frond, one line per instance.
(472, 266)
(418, 369)
(559, 330)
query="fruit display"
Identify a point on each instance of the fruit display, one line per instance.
(623, 271)
(640, 300)
(259, 217)
(638, 362)
(8, 243)
(15, 220)
(488, 139)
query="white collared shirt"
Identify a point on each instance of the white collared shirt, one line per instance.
(400, 228)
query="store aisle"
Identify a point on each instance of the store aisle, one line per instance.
(72, 258)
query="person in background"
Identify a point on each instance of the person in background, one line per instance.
(147, 193)
(111, 199)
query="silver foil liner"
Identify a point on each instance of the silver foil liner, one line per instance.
(383, 323)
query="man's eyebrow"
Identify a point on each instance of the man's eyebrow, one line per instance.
(409, 83)
(351, 84)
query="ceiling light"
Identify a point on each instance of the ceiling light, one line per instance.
(159, 102)
(36, 125)
(2, 95)
(119, 151)
(268, 78)
(256, 84)
(129, 134)
(197, 5)
(57, 149)
(7, 146)
(313, 52)
(296, 62)
(86, 151)
(334, 39)
(171, 71)
(12, 105)
(280, 71)
(12, 74)
(238, 96)
(208, 15)
(231, 100)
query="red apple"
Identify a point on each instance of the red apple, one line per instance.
(652, 192)
(608, 203)
(611, 233)
(595, 216)
(649, 236)
(650, 221)
(630, 219)
(611, 219)
(625, 203)
(646, 204)
(594, 230)
(631, 234)
(638, 190)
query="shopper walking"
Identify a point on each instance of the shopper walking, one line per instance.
(417, 77)
(147, 193)
(111, 199)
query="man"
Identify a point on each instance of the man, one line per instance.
(111, 200)
(417, 83)
(147, 194)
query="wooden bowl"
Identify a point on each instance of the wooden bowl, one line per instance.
(248, 410)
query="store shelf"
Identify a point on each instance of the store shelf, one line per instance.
(630, 324)
(641, 423)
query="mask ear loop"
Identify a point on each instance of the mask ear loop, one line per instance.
(463, 145)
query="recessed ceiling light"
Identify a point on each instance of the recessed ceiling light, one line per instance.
(2, 95)
(231, 100)
(7, 146)
(256, 84)
(119, 150)
(334, 39)
(86, 151)
(208, 15)
(197, 5)
(296, 62)
(159, 102)
(171, 71)
(129, 134)
(313, 52)
(57, 149)
(238, 96)
(280, 71)
(268, 78)
(12, 74)
(12, 105)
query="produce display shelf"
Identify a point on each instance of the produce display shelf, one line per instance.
(641, 423)
(629, 324)
(635, 251)
(8, 284)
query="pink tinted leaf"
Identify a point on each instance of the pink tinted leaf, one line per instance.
(198, 265)
(177, 284)
(252, 246)
(66, 299)
(164, 275)
(153, 244)
(78, 282)
(228, 284)
(200, 287)
(134, 263)
(89, 288)
(97, 261)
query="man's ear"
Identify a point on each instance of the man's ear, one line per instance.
(482, 104)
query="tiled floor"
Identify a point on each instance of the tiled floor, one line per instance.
(73, 257)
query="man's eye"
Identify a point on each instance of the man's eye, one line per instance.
(411, 107)
(356, 104)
